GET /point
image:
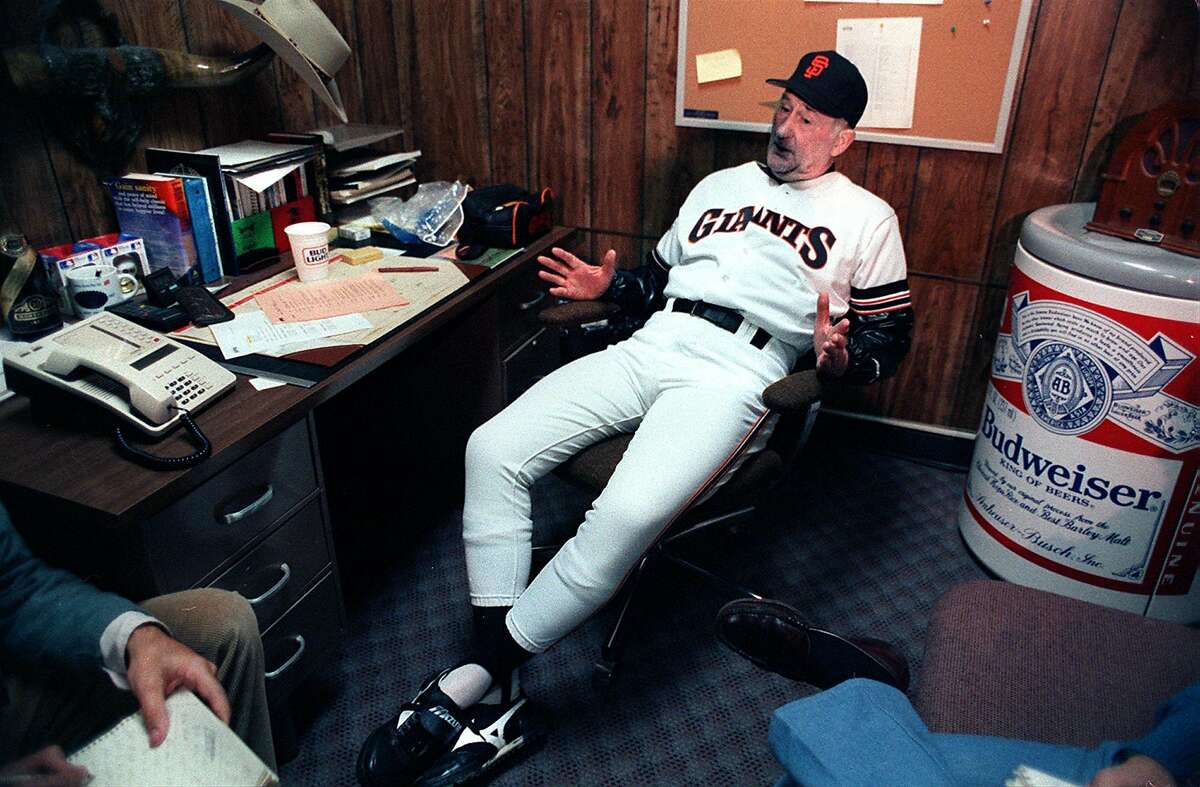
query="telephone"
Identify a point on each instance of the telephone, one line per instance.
(142, 377)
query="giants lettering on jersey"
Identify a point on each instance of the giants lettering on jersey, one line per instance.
(812, 243)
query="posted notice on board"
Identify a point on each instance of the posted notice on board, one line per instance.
(886, 51)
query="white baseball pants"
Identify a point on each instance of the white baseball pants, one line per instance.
(692, 392)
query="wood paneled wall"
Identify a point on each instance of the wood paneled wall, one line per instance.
(580, 95)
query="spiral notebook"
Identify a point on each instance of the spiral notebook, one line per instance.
(199, 750)
(1028, 776)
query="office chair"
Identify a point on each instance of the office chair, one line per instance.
(588, 325)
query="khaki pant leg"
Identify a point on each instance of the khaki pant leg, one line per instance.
(221, 627)
(46, 708)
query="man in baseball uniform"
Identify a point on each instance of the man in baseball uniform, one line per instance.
(767, 268)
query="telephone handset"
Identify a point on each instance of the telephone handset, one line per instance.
(147, 396)
(142, 377)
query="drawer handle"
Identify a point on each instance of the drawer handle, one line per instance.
(525, 306)
(237, 516)
(278, 586)
(275, 673)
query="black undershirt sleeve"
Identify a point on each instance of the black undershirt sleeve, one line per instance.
(639, 291)
(877, 344)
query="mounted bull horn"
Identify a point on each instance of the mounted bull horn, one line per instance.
(71, 74)
(95, 97)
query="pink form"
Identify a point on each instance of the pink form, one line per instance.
(317, 300)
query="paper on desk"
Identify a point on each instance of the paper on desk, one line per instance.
(886, 51)
(266, 383)
(317, 300)
(714, 66)
(422, 290)
(7, 347)
(252, 332)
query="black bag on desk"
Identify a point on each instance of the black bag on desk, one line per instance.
(505, 216)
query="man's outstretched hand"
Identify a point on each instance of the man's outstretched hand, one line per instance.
(158, 665)
(571, 277)
(46, 768)
(830, 341)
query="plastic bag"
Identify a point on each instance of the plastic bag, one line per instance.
(432, 215)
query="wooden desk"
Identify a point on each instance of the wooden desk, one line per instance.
(255, 516)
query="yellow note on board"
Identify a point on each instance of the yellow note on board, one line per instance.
(714, 66)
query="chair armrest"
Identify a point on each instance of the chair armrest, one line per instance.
(793, 393)
(572, 313)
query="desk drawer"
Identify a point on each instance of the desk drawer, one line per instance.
(193, 536)
(301, 639)
(277, 572)
(520, 299)
(530, 362)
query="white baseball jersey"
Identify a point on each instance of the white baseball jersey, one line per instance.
(749, 242)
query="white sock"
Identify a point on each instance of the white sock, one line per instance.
(466, 685)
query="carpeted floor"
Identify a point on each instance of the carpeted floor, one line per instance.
(861, 544)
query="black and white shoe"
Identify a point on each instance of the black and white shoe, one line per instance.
(495, 734)
(398, 752)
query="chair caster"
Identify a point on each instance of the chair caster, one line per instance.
(603, 672)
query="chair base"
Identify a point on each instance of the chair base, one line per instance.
(612, 649)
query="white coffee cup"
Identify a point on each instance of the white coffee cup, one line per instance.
(310, 249)
(91, 288)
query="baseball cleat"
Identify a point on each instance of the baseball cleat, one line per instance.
(496, 733)
(400, 750)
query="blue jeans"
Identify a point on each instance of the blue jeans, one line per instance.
(863, 732)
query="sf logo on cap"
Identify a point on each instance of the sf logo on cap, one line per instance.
(816, 66)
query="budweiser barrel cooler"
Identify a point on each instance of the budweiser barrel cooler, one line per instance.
(1084, 478)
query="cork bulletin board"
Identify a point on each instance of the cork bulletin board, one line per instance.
(970, 56)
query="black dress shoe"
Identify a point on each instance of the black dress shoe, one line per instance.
(775, 637)
(396, 753)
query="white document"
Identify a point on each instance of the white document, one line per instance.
(1027, 776)
(715, 66)
(260, 181)
(882, 2)
(886, 51)
(374, 163)
(199, 750)
(266, 383)
(250, 150)
(252, 332)
(7, 347)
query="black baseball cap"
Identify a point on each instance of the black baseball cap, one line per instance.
(828, 83)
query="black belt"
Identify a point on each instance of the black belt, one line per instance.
(720, 316)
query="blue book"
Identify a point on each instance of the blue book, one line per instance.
(155, 209)
(204, 231)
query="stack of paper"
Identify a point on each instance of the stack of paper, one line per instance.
(368, 173)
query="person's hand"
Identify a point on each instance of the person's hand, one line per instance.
(158, 665)
(1138, 771)
(829, 341)
(573, 278)
(46, 768)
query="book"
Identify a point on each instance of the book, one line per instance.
(293, 212)
(253, 239)
(181, 162)
(203, 230)
(155, 209)
(199, 750)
